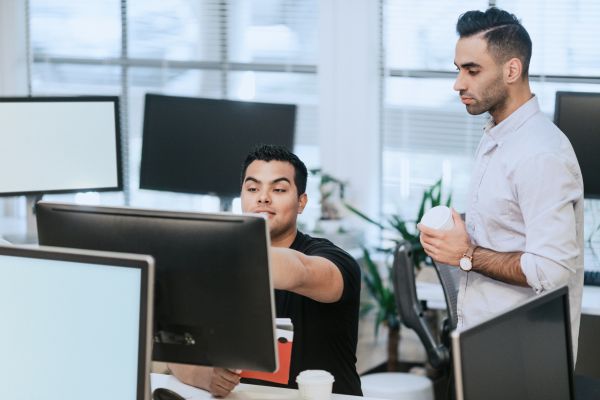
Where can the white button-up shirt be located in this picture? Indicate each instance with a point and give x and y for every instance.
(526, 195)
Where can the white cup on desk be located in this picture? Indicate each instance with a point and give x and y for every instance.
(315, 384)
(438, 217)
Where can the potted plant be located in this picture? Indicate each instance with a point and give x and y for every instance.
(378, 278)
(401, 230)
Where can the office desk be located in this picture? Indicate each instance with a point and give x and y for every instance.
(241, 392)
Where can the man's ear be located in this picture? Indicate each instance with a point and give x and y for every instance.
(302, 200)
(513, 70)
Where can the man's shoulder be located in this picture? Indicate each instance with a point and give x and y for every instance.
(538, 137)
(318, 246)
(306, 243)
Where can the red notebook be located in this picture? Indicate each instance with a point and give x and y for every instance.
(285, 335)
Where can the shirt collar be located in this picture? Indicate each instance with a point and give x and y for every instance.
(499, 132)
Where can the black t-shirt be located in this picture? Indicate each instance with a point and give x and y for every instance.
(325, 334)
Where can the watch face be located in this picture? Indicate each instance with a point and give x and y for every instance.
(465, 264)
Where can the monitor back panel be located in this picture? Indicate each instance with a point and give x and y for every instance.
(522, 354)
(213, 296)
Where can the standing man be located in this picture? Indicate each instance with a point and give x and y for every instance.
(524, 224)
(318, 284)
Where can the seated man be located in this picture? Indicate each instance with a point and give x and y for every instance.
(317, 284)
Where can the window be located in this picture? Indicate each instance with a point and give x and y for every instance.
(236, 49)
(427, 134)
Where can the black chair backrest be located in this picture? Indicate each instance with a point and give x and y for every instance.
(449, 277)
(409, 306)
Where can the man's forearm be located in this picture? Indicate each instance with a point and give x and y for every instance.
(193, 375)
(505, 267)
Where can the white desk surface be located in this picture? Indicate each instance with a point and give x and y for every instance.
(241, 392)
(433, 293)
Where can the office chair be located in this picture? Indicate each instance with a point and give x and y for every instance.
(411, 310)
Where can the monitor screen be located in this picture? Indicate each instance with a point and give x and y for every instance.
(59, 145)
(195, 145)
(76, 324)
(578, 116)
(524, 353)
(213, 291)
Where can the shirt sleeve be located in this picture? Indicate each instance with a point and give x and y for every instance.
(344, 262)
(548, 189)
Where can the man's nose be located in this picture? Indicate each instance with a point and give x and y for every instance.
(459, 83)
(264, 198)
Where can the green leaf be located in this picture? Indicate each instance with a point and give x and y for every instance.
(449, 200)
(400, 226)
(364, 216)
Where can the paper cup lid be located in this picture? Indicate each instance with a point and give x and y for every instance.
(314, 376)
(436, 217)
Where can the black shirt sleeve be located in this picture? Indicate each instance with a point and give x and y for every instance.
(343, 261)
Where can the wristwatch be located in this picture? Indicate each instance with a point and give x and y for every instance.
(466, 262)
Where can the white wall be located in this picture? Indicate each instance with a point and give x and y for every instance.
(349, 90)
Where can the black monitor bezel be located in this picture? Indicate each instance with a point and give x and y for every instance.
(164, 352)
(557, 101)
(457, 334)
(142, 262)
(150, 98)
(57, 99)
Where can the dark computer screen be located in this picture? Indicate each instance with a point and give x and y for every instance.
(213, 293)
(525, 353)
(59, 144)
(195, 145)
(76, 324)
(578, 116)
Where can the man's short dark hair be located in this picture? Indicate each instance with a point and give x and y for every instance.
(269, 152)
(506, 37)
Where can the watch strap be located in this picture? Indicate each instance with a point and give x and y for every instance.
(469, 252)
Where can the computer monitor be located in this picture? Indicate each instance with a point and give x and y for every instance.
(75, 324)
(59, 144)
(213, 295)
(196, 145)
(524, 353)
(577, 114)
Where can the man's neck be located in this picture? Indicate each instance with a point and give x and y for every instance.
(284, 240)
(515, 100)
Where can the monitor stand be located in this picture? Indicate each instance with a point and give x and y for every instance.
(30, 235)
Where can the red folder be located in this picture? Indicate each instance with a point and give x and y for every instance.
(284, 350)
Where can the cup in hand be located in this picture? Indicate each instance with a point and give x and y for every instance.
(438, 217)
(315, 384)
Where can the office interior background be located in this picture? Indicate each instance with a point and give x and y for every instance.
(372, 80)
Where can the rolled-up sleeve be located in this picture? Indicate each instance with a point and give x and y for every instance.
(548, 188)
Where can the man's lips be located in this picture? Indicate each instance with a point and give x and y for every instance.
(466, 100)
(265, 212)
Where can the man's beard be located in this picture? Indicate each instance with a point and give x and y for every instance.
(491, 100)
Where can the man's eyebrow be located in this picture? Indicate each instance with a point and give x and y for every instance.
(282, 179)
(470, 64)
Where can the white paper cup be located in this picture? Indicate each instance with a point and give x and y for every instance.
(438, 217)
(315, 384)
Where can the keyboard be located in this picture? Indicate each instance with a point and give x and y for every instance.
(591, 278)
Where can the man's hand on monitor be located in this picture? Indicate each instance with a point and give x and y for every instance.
(223, 381)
